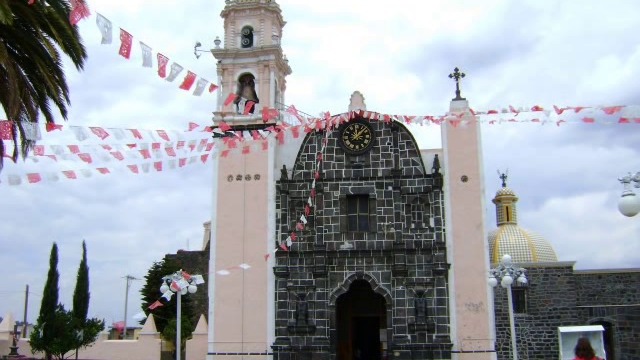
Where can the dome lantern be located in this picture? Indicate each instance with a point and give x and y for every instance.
(509, 238)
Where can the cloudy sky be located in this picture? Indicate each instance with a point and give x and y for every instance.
(398, 54)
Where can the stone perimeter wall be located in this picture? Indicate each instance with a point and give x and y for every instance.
(559, 296)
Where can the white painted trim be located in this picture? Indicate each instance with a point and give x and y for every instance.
(212, 253)
(220, 91)
(272, 85)
(270, 245)
(248, 60)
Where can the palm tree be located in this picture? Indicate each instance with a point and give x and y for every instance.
(32, 36)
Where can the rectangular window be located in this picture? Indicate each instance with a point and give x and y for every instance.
(519, 297)
(357, 213)
(418, 209)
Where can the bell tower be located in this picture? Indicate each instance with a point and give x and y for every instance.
(251, 71)
(250, 63)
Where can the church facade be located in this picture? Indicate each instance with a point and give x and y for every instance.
(354, 243)
(350, 242)
(368, 274)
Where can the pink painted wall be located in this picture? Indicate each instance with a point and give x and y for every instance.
(196, 347)
(241, 301)
(472, 310)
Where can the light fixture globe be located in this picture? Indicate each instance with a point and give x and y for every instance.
(192, 289)
(629, 204)
(164, 288)
(507, 280)
(506, 259)
(493, 282)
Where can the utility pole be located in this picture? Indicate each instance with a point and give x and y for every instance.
(26, 303)
(126, 303)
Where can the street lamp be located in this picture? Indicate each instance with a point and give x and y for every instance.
(629, 203)
(506, 272)
(180, 283)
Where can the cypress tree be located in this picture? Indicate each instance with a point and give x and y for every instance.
(81, 293)
(47, 318)
(57, 330)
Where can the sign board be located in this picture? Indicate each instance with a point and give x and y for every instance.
(568, 337)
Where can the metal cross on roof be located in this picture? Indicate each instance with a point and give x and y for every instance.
(457, 75)
(503, 177)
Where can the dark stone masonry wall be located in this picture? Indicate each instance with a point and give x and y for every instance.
(559, 296)
(195, 262)
(612, 299)
(402, 258)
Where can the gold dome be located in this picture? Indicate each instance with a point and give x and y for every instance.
(523, 245)
(505, 191)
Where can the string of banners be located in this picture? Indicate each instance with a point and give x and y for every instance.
(236, 139)
(136, 151)
(14, 179)
(80, 10)
(245, 142)
(629, 114)
(620, 114)
(124, 144)
(558, 116)
(126, 44)
(33, 131)
(121, 152)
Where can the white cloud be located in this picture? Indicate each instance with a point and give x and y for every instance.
(585, 230)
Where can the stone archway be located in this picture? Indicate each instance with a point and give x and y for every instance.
(608, 336)
(361, 319)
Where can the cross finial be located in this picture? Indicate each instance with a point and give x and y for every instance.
(456, 76)
(503, 177)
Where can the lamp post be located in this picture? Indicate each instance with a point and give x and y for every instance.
(506, 272)
(629, 203)
(179, 283)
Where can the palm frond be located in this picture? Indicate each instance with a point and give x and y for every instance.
(32, 41)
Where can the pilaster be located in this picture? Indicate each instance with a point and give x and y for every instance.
(471, 307)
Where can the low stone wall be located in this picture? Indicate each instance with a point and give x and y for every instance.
(145, 348)
(148, 346)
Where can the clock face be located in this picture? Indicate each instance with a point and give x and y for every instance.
(357, 137)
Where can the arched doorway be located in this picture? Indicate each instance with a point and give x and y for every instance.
(361, 315)
(608, 338)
